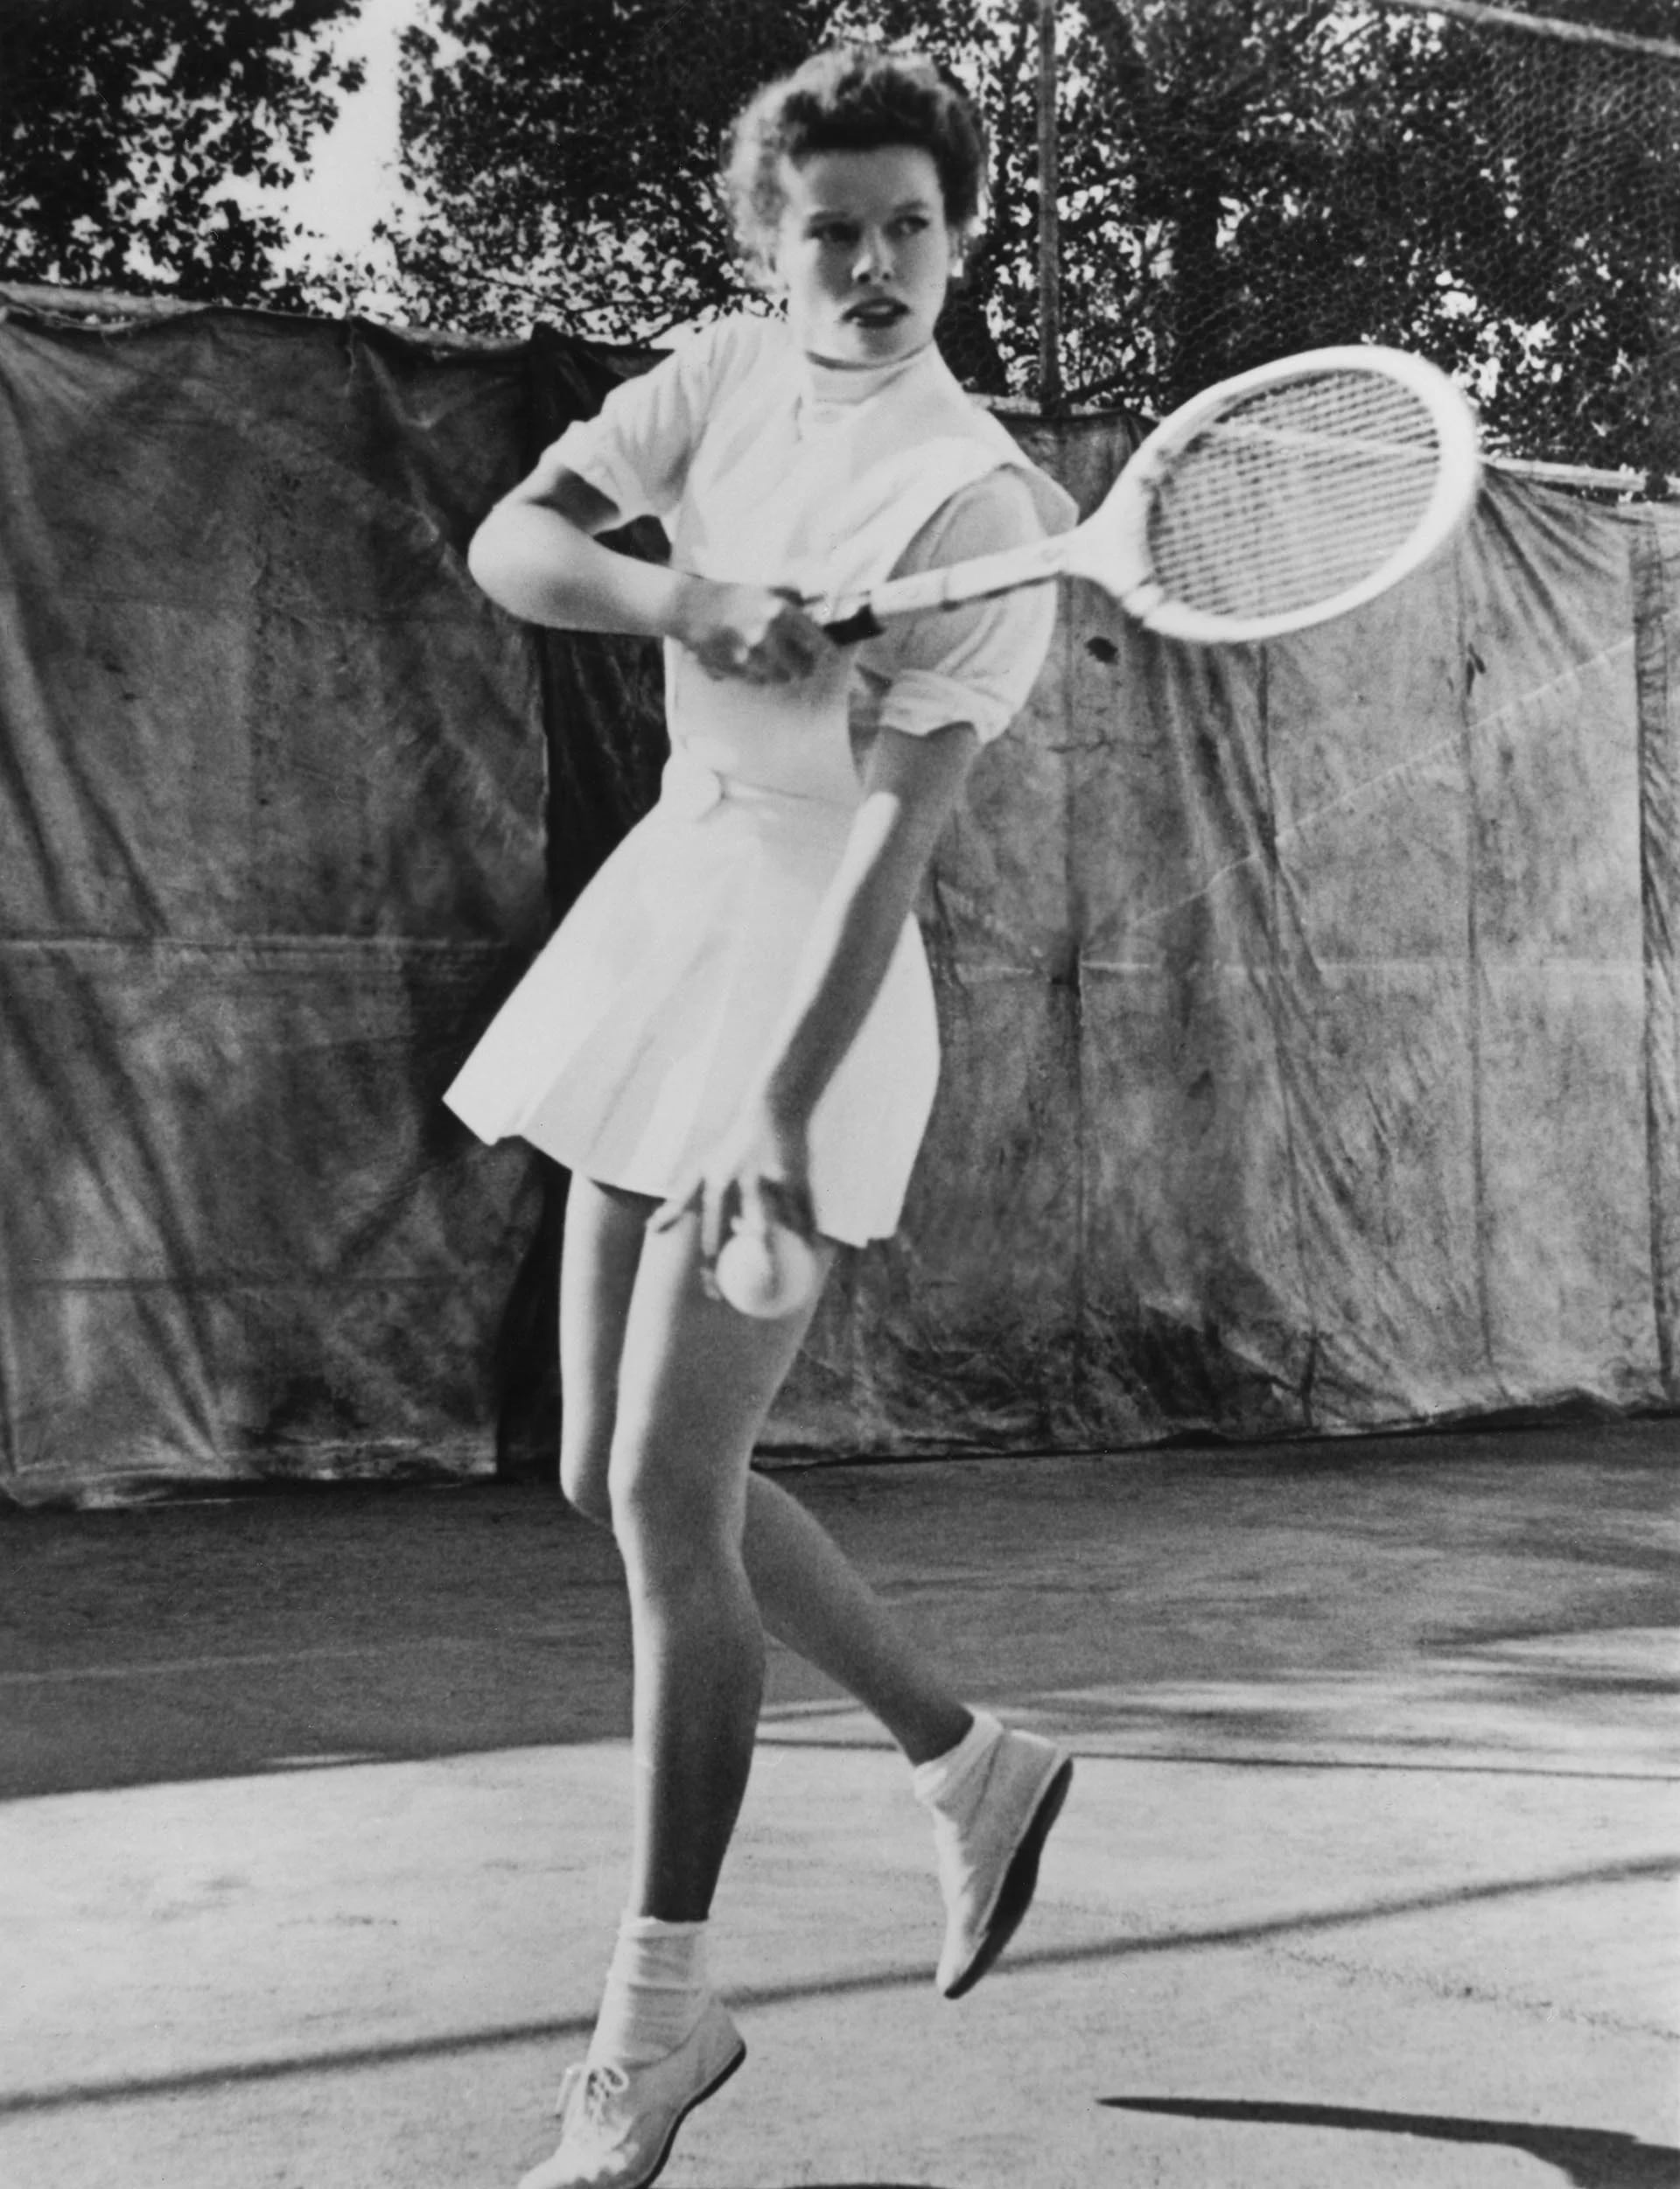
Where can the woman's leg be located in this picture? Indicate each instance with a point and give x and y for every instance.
(696, 1381)
(604, 1233)
(816, 1602)
(809, 1596)
(666, 1392)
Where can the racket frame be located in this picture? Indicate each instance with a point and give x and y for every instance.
(1110, 549)
(1125, 514)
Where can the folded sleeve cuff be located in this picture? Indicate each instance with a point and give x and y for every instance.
(985, 658)
(921, 701)
(589, 452)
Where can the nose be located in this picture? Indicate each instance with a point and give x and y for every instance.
(874, 258)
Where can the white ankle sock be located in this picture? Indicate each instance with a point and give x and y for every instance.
(951, 1781)
(655, 1991)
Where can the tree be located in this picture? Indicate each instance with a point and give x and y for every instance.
(1266, 176)
(126, 126)
(1239, 178)
(568, 155)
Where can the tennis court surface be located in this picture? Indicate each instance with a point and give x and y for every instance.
(316, 1804)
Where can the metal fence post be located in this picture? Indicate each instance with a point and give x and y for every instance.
(1049, 250)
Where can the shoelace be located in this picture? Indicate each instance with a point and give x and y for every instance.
(600, 2085)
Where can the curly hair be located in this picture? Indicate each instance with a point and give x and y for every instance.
(852, 98)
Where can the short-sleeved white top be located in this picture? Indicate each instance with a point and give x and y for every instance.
(767, 467)
(631, 1041)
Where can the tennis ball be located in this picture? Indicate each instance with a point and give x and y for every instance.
(766, 1274)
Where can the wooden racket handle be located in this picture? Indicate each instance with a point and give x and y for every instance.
(951, 585)
(862, 623)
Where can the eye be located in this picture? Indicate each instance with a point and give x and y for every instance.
(911, 223)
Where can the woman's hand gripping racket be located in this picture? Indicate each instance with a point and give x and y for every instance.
(1280, 498)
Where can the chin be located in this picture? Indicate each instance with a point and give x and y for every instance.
(879, 346)
(844, 343)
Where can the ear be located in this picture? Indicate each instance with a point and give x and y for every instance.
(966, 244)
(767, 273)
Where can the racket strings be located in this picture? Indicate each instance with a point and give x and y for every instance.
(1296, 493)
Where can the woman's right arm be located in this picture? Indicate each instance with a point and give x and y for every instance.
(537, 555)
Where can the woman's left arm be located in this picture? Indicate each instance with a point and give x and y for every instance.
(760, 1171)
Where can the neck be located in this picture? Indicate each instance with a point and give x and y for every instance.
(857, 365)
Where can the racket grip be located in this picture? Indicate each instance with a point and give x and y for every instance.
(862, 623)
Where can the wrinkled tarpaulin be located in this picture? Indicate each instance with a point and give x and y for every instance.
(1310, 1012)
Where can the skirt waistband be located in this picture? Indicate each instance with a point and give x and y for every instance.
(688, 789)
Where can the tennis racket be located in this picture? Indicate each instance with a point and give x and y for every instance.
(1274, 500)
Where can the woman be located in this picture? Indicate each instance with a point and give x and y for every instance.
(735, 1024)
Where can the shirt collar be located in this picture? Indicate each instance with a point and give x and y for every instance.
(829, 391)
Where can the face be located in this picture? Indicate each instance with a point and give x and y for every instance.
(863, 254)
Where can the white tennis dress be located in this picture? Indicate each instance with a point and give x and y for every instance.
(627, 1049)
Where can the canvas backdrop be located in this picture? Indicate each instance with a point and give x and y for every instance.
(1309, 1010)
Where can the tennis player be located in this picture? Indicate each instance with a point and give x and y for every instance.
(735, 1023)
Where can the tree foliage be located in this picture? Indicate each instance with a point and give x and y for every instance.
(1239, 178)
(569, 154)
(126, 126)
(1284, 175)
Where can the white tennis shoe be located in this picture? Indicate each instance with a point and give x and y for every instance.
(617, 2124)
(989, 1863)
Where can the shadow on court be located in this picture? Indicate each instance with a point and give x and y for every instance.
(1587, 2158)
(571, 2034)
(1211, 1595)
(318, 1803)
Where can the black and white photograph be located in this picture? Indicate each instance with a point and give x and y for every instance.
(839, 1094)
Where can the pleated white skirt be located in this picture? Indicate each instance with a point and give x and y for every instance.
(626, 1050)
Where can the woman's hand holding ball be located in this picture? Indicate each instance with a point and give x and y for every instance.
(766, 1273)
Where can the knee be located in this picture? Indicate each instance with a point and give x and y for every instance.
(671, 1523)
(584, 1471)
